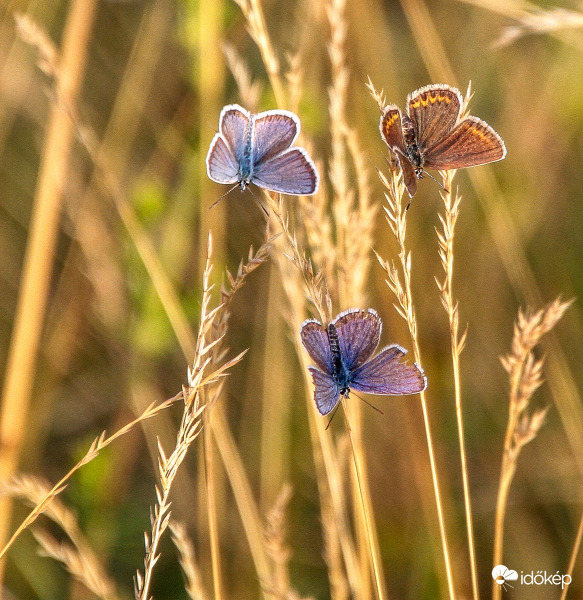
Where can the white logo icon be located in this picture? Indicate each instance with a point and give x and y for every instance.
(502, 575)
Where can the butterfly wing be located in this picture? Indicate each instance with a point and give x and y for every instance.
(222, 161)
(315, 341)
(326, 391)
(434, 110)
(359, 332)
(274, 132)
(234, 124)
(291, 172)
(472, 142)
(386, 374)
(391, 128)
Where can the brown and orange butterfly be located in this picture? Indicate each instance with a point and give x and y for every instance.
(431, 134)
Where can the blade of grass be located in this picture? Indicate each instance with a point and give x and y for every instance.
(40, 251)
(446, 254)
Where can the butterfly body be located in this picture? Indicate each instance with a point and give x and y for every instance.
(342, 352)
(259, 149)
(339, 372)
(413, 153)
(245, 173)
(433, 135)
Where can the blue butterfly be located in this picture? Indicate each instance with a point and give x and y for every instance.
(258, 149)
(342, 353)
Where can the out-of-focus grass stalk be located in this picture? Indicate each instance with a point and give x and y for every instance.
(97, 445)
(253, 14)
(446, 254)
(40, 251)
(76, 554)
(354, 223)
(574, 554)
(431, 49)
(210, 75)
(190, 568)
(525, 374)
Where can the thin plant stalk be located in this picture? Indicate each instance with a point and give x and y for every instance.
(396, 218)
(446, 253)
(40, 251)
(210, 487)
(95, 448)
(351, 289)
(525, 375)
(574, 554)
(365, 513)
(202, 372)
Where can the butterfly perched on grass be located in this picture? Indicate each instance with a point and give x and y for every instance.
(431, 134)
(342, 352)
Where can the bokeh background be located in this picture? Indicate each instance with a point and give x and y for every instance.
(155, 80)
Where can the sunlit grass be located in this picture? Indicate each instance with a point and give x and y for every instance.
(242, 490)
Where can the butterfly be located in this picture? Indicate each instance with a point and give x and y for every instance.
(258, 149)
(431, 134)
(342, 353)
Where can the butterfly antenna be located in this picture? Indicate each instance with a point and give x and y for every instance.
(256, 198)
(221, 197)
(333, 413)
(436, 181)
(367, 402)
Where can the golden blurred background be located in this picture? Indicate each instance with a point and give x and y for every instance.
(125, 152)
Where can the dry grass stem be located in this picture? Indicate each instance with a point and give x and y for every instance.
(180, 538)
(253, 14)
(142, 243)
(525, 375)
(79, 558)
(354, 219)
(77, 564)
(445, 240)
(98, 444)
(276, 546)
(315, 284)
(399, 282)
(378, 96)
(203, 372)
(37, 270)
(34, 35)
(249, 90)
(573, 559)
(540, 22)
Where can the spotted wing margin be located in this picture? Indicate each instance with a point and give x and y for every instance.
(434, 110)
(326, 392)
(275, 131)
(386, 374)
(291, 172)
(391, 128)
(315, 341)
(472, 142)
(359, 332)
